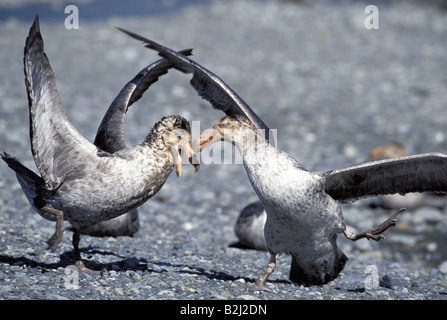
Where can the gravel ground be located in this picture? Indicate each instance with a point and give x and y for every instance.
(332, 88)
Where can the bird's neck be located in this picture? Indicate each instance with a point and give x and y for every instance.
(155, 140)
(150, 156)
(255, 150)
(265, 164)
(250, 142)
(153, 148)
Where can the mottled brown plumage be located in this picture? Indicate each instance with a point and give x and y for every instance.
(110, 138)
(79, 181)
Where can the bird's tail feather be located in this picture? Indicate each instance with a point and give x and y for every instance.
(27, 178)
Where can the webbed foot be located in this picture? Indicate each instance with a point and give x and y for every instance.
(83, 269)
(377, 232)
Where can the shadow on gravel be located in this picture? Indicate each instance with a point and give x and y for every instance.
(22, 261)
(125, 264)
(219, 275)
(67, 259)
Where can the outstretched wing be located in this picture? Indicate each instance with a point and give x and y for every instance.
(207, 84)
(425, 172)
(55, 144)
(110, 134)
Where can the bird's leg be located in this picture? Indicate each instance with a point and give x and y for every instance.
(377, 232)
(270, 269)
(56, 238)
(260, 286)
(79, 264)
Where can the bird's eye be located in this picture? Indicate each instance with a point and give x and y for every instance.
(224, 125)
(179, 137)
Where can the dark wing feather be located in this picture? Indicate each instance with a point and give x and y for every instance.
(207, 84)
(110, 134)
(417, 173)
(55, 143)
(151, 74)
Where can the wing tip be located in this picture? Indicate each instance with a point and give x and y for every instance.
(33, 36)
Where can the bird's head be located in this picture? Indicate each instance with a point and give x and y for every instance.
(230, 128)
(176, 136)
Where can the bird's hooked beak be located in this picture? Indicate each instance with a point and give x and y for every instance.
(206, 138)
(176, 152)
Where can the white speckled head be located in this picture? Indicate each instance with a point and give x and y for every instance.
(174, 133)
(234, 129)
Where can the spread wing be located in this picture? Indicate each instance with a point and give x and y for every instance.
(209, 86)
(55, 144)
(425, 172)
(110, 134)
